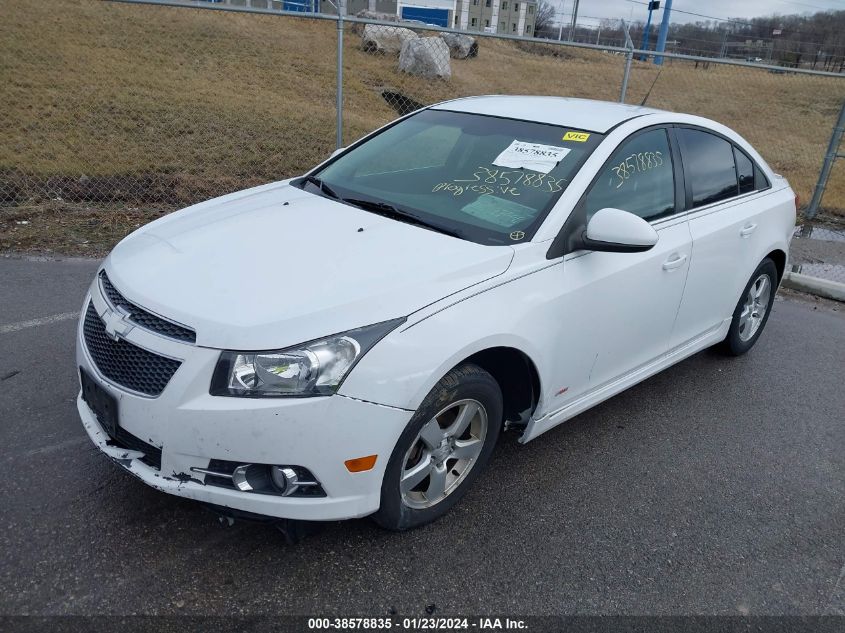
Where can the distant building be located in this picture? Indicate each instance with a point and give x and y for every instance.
(508, 17)
(496, 16)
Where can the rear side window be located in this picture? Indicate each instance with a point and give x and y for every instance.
(745, 171)
(708, 166)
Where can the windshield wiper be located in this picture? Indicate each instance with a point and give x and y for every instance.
(323, 186)
(388, 210)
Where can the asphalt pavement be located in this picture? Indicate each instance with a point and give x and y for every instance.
(715, 487)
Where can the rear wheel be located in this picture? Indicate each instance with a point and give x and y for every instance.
(753, 309)
(442, 450)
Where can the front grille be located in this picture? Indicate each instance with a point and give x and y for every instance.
(124, 363)
(144, 319)
(124, 439)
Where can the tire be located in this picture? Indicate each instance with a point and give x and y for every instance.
(744, 332)
(428, 457)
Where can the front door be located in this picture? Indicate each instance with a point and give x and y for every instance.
(617, 310)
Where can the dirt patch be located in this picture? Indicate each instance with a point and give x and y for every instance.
(70, 229)
(546, 50)
(120, 189)
(399, 102)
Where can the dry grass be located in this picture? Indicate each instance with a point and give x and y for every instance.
(144, 108)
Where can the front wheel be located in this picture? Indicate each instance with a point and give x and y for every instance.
(442, 450)
(752, 310)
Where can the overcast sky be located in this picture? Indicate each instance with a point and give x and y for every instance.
(590, 10)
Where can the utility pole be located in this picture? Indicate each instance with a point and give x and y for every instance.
(574, 21)
(560, 20)
(664, 32)
(652, 7)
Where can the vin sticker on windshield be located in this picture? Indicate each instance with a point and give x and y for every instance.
(533, 156)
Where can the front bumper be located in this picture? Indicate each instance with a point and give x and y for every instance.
(192, 428)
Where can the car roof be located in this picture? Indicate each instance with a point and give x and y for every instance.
(582, 114)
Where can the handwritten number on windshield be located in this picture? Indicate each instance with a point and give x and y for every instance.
(511, 179)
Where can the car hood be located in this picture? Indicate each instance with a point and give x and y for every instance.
(275, 266)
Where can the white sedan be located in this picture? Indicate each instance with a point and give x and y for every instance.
(352, 342)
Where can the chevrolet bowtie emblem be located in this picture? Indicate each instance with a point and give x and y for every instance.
(116, 324)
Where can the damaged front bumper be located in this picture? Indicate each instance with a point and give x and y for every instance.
(195, 431)
(348, 494)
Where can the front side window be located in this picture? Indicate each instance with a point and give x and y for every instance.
(637, 178)
(708, 166)
(487, 179)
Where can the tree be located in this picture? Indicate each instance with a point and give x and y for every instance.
(544, 21)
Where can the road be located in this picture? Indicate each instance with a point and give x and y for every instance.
(716, 487)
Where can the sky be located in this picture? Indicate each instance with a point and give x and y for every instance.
(589, 11)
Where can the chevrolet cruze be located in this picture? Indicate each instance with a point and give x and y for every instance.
(352, 342)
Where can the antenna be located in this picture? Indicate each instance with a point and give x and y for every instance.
(656, 77)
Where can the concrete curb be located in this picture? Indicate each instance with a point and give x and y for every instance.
(814, 285)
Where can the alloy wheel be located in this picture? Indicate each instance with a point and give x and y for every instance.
(755, 307)
(443, 453)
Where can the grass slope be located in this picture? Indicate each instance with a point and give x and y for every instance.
(112, 114)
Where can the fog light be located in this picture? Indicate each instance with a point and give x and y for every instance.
(285, 479)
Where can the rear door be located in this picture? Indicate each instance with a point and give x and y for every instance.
(722, 192)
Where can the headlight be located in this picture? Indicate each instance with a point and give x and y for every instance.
(311, 369)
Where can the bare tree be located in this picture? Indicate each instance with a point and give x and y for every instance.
(544, 22)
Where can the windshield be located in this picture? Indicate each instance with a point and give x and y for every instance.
(486, 179)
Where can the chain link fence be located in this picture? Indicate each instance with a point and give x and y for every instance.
(116, 112)
(412, 67)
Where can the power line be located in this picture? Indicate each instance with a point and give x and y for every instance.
(699, 15)
(804, 4)
(795, 31)
(713, 17)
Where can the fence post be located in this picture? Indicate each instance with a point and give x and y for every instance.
(831, 155)
(341, 9)
(629, 55)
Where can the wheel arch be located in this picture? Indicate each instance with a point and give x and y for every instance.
(518, 379)
(779, 258)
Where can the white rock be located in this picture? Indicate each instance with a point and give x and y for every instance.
(357, 27)
(385, 39)
(460, 46)
(426, 57)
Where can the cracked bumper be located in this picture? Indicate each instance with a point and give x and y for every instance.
(192, 428)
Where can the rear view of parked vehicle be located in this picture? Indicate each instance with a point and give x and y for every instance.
(354, 341)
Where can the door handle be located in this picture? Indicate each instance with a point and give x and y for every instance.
(675, 261)
(747, 230)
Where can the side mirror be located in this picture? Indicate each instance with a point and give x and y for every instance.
(337, 151)
(617, 231)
